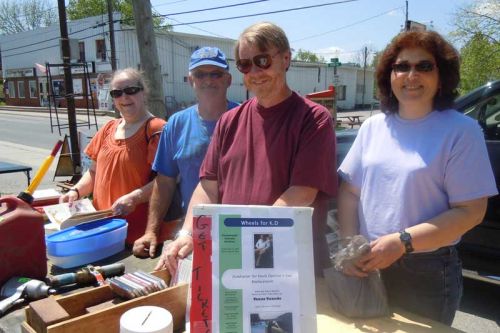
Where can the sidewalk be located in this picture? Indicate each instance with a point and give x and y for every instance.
(13, 183)
(25, 154)
(38, 109)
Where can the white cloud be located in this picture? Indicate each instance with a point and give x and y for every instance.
(395, 12)
(331, 52)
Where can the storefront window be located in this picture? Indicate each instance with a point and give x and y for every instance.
(12, 89)
(33, 89)
(20, 86)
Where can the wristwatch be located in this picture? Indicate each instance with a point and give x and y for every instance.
(183, 232)
(405, 238)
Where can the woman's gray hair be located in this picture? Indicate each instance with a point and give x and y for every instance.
(133, 74)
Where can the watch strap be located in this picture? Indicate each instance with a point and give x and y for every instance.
(405, 238)
(183, 232)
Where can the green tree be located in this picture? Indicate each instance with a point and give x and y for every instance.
(308, 56)
(477, 29)
(78, 9)
(25, 15)
(480, 62)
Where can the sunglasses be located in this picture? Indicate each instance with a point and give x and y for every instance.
(115, 93)
(213, 75)
(423, 66)
(263, 61)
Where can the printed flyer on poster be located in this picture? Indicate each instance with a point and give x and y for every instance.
(260, 262)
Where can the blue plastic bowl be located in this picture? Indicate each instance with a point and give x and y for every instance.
(86, 242)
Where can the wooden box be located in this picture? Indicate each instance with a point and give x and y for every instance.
(99, 309)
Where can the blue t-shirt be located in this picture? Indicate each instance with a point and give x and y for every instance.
(409, 171)
(183, 144)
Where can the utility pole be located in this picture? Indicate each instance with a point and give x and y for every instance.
(68, 83)
(364, 77)
(149, 56)
(407, 22)
(111, 35)
(111, 27)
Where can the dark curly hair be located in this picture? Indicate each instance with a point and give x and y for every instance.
(447, 61)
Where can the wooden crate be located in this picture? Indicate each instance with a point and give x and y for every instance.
(71, 313)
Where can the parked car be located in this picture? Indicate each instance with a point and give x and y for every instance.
(480, 247)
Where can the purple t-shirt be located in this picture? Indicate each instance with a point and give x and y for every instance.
(409, 171)
(257, 153)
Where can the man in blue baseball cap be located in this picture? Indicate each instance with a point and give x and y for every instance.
(184, 141)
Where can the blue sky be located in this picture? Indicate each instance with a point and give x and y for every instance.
(339, 30)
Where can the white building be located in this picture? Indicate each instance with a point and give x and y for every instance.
(27, 84)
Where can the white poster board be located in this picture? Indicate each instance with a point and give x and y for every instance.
(260, 262)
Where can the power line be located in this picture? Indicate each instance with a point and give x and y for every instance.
(200, 29)
(345, 26)
(180, 13)
(265, 13)
(204, 10)
(213, 8)
(54, 38)
(169, 3)
(213, 20)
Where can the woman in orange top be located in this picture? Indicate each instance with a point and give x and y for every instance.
(122, 153)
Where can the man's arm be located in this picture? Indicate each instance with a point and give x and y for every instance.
(161, 197)
(205, 193)
(301, 196)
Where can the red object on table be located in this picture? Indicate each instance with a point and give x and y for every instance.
(201, 290)
(22, 240)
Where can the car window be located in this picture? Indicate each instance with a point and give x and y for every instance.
(487, 113)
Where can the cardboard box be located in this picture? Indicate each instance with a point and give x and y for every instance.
(98, 310)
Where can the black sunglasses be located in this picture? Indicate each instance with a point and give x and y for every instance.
(115, 93)
(423, 66)
(200, 75)
(263, 61)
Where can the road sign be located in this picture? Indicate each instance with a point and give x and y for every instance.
(334, 62)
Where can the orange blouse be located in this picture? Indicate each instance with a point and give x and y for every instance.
(123, 166)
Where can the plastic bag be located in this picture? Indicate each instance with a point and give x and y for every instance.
(353, 296)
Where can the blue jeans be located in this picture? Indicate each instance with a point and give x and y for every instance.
(428, 284)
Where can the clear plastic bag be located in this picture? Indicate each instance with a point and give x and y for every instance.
(352, 296)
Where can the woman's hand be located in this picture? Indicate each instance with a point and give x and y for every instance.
(353, 269)
(126, 204)
(69, 197)
(384, 252)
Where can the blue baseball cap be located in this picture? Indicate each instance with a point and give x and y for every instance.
(208, 56)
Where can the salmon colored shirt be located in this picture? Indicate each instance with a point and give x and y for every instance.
(123, 166)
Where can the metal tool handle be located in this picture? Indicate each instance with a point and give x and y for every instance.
(61, 280)
(7, 303)
(112, 270)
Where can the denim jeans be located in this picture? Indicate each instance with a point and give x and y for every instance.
(428, 284)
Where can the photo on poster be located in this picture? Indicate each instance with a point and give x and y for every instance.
(263, 250)
(271, 322)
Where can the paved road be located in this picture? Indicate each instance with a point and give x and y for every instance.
(26, 138)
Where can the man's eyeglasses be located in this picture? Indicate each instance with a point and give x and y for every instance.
(200, 75)
(115, 93)
(423, 66)
(263, 61)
